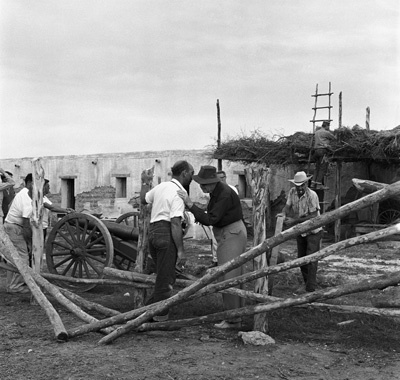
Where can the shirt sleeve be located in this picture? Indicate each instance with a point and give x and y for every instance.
(314, 202)
(150, 196)
(177, 207)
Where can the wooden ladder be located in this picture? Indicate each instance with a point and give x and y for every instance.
(321, 193)
(328, 107)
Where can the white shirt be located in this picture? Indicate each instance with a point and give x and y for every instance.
(165, 201)
(46, 212)
(234, 188)
(21, 207)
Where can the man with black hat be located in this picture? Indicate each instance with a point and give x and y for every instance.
(165, 232)
(303, 204)
(224, 213)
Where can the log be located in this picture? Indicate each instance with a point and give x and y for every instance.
(330, 293)
(143, 243)
(11, 254)
(258, 178)
(64, 301)
(146, 313)
(88, 305)
(368, 187)
(124, 317)
(37, 215)
(275, 252)
(334, 248)
(97, 281)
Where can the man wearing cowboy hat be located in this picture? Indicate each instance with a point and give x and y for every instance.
(224, 213)
(303, 204)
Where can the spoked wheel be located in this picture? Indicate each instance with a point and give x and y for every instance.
(79, 246)
(129, 219)
(389, 216)
(123, 261)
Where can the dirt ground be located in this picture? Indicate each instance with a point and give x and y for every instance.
(310, 344)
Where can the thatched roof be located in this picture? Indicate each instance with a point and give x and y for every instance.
(353, 144)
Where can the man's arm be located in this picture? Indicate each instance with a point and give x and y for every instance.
(9, 182)
(58, 209)
(27, 230)
(177, 236)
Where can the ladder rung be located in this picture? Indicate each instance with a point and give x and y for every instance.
(318, 108)
(313, 121)
(316, 95)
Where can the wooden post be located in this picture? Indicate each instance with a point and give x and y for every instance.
(219, 133)
(338, 195)
(340, 109)
(275, 252)
(256, 177)
(143, 243)
(367, 119)
(37, 215)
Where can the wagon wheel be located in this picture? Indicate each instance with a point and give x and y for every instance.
(129, 218)
(122, 261)
(79, 246)
(388, 216)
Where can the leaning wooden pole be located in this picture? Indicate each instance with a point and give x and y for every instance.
(148, 312)
(360, 286)
(11, 254)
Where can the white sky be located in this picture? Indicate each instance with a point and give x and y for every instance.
(100, 76)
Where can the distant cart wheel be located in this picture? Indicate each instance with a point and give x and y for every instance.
(79, 246)
(389, 216)
(129, 218)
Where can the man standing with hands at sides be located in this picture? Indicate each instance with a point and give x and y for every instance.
(165, 232)
(304, 205)
(224, 213)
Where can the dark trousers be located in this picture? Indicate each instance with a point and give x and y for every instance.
(306, 246)
(321, 164)
(164, 254)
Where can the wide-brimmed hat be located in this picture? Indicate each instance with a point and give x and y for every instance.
(207, 174)
(300, 178)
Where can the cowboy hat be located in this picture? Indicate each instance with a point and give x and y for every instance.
(207, 174)
(300, 178)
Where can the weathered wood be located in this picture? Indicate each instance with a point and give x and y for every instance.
(338, 196)
(88, 305)
(143, 314)
(37, 215)
(11, 254)
(97, 281)
(334, 248)
(330, 293)
(368, 187)
(143, 243)
(64, 301)
(275, 252)
(257, 179)
(245, 278)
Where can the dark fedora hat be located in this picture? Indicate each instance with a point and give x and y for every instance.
(207, 174)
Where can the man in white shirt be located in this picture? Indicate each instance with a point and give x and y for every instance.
(165, 232)
(18, 227)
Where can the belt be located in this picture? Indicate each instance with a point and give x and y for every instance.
(16, 224)
(160, 222)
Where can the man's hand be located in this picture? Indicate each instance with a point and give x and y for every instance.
(69, 210)
(181, 261)
(289, 222)
(185, 197)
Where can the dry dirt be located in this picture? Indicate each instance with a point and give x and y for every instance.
(310, 344)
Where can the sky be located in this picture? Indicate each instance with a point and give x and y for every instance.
(109, 76)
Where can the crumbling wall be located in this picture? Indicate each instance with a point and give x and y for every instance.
(100, 200)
